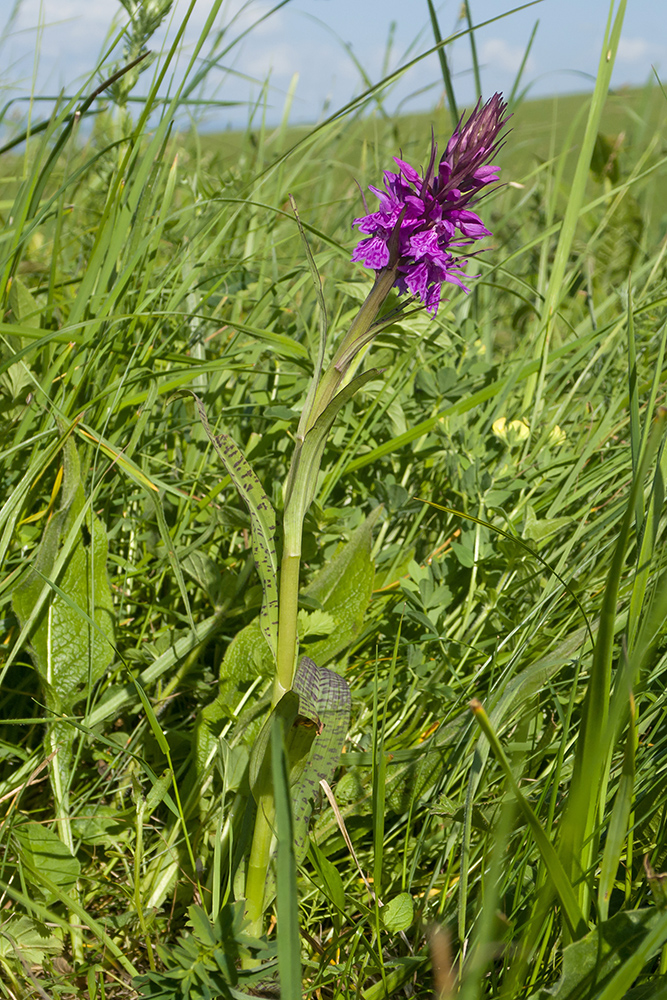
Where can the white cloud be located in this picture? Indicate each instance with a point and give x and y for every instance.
(637, 50)
(499, 54)
(295, 39)
(70, 36)
(53, 11)
(280, 59)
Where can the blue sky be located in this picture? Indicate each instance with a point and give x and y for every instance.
(320, 39)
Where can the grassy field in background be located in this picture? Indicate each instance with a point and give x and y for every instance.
(540, 129)
(500, 827)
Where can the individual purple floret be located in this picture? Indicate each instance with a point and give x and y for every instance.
(429, 218)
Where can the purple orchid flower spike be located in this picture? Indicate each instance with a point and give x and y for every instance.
(430, 218)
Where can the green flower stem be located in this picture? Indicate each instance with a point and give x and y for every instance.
(355, 338)
(258, 864)
(302, 491)
(287, 614)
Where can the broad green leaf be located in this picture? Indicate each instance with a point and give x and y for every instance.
(106, 825)
(205, 573)
(72, 629)
(593, 960)
(247, 656)
(42, 852)
(158, 791)
(15, 383)
(330, 881)
(343, 589)
(17, 379)
(24, 939)
(397, 914)
(23, 304)
(655, 989)
(316, 717)
(316, 622)
(536, 529)
(65, 607)
(96, 926)
(201, 925)
(160, 877)
(27, 939)
(262, 519)
(205, 741)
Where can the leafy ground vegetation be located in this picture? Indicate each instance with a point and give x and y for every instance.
(483, 560)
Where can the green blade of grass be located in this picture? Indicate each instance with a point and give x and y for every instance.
(444, 65)
(618, 824)
(560, 883)
(577, 190)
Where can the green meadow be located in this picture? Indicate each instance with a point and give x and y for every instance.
(482, 563)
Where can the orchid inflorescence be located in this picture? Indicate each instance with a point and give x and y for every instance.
(424, 221)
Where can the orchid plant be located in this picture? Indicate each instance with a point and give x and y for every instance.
(419, 239)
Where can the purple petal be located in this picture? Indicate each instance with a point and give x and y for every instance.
(408, 172)
(373, 252)
(470, 224)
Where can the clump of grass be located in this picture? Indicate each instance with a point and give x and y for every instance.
(498, 850)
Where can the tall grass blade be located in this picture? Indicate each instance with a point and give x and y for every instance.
(473, 50)
(513, 99)
(577, 190)
(618, 824)
(444, 65)
(560, 883)
(588, 781)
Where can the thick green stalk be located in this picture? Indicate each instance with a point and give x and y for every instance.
(287, 614)
(300, 491)
(258, 864)
(355, 338)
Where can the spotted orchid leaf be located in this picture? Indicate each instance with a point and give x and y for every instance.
(315, 715)
(262, 520)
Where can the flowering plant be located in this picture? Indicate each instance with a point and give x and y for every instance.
(416, 241)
